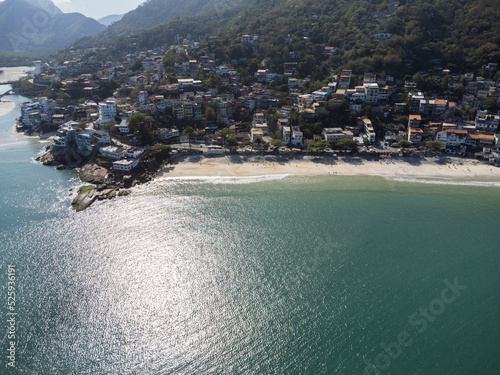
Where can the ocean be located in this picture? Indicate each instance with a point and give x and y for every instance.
(264, 275)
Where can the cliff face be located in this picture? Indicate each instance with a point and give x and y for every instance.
(68, 156)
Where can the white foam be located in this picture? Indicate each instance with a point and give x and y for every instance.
(446, 182)
(217, 180)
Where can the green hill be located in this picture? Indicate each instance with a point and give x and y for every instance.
(455, 34)
(156, 12)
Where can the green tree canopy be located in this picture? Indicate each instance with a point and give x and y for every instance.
(435, 146)
(404, 144)
(347, 144)
(143, 126)
(231, 142)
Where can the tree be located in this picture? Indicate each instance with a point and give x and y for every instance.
(322, 145)
(224, 133)
(190, 133)
(137, 65)
(404, 144)
(160, 152)
(63, 96)
(347, 144)
(490, 104)
(277, 143)
(82, 124)
(435, 146)
(231, 142)
(143, 126)
(210, 114)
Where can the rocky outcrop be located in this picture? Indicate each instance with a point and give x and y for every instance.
(68, 156)
(84, 199)
(106, 182)
(93, 174)
(49, 159)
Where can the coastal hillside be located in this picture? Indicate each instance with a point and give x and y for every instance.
(38, 25)
(156, 12)
(395, 38)
(376, 35)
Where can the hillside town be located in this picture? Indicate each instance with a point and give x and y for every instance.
(196, 99)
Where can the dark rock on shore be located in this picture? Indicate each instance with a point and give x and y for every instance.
(49, 159)
(68, 156)
(93, 174)
(84, 200)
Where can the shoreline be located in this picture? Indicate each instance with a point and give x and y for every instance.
(6, 107)
(14, 73)
(445, 169)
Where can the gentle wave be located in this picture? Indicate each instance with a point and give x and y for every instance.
(446, 182)
(235, 180)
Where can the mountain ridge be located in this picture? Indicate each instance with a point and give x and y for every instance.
(32, 25)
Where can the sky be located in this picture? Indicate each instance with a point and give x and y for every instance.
(97, 8)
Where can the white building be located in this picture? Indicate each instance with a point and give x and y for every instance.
(58, 142)
(368, 128)
(107, 110)
(371, 92)
(188, 82)
(84, 139)
(112, 152)
(320, 95)
(166, 134)
(134, 152)
(123, 127)
(333, 135)
(125, 165)
(292, 135)
(487, 123)
(214, 150)
(101, 137)
(452, 138)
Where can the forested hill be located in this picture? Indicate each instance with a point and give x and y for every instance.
(155, 12)
(457, 34)
(462, 33)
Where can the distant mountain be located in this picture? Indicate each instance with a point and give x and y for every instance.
(39, 25)
(108, 20)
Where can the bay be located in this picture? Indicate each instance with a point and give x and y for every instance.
(248, 276)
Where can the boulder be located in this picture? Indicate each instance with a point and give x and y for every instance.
(84, 200)
(128, 181)
(93, 173)
(49, 159)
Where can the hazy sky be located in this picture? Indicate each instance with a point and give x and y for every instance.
(97, 8)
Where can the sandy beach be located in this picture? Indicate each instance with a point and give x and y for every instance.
(14, 73)
(245, 166)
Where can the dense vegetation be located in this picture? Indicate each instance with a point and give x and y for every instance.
(454, 34)
(156, 12)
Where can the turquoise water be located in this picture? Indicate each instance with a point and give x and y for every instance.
(249, 276)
